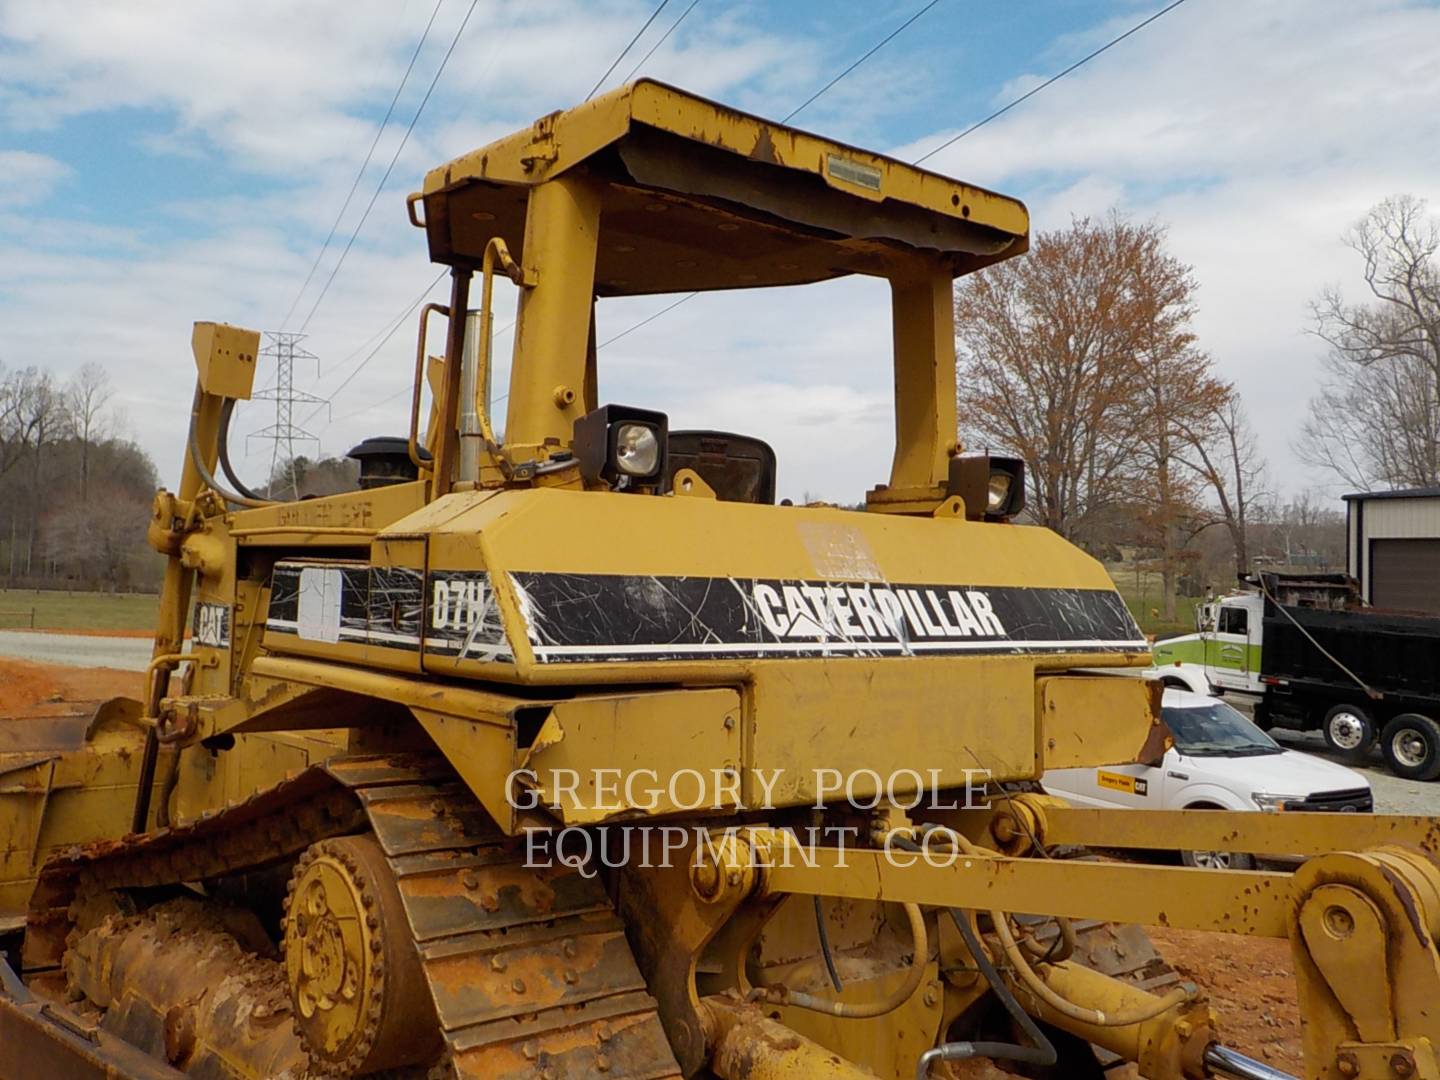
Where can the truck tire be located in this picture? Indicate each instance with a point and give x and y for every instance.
(1411, 745)
(1348, 731)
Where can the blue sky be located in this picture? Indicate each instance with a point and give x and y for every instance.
(166, 162)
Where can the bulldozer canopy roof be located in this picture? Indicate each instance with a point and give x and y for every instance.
(697, 196)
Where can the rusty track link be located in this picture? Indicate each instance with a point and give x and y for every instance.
(528, 967)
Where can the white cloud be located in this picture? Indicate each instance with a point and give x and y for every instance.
(1258, 132)
(27, 177)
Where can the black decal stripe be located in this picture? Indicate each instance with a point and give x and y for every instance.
(590, 618)
(390, 607)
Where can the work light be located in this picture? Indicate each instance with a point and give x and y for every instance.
(637, 450)
(621, 446)
(999, 492)
(992, 488)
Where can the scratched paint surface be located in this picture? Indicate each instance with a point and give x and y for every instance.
(588, 617)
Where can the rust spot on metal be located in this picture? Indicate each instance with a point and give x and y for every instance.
(1402, 893)
(764, 148)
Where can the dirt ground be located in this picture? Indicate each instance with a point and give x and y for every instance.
(1249, 983)
(1251, 986)
(24, 685)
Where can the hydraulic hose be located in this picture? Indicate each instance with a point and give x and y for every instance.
(167, 787)
(864, 1010)
(225, 466)
(198, 460)
(824, 936)
(1041, 1053)
(1062, 948)
(1041, 989)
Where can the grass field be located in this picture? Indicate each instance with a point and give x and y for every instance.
(76, 611)
(1143, 600)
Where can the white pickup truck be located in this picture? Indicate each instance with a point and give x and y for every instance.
(1220, 761)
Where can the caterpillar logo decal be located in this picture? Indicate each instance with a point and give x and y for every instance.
(1130, 785)
(614, 617)
(575, 618)
(212, 625)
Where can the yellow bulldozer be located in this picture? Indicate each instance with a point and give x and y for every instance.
(558, 749)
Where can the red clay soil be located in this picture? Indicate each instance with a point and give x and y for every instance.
(1251, 986)
(24, 685)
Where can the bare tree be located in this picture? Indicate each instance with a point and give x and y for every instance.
(308, 477)
(1223, 452)
(40, 418)
(86, 395)
(12, 442)
(1376, 419)
(1304, 532)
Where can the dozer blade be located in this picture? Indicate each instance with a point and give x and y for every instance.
(37, 1039)
(60, 727)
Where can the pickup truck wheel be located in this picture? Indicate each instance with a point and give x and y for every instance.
(1215, 860)
(1348, 731)
(1218, 860)
(1411, 745)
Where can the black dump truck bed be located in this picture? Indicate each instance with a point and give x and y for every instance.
(1394, 653)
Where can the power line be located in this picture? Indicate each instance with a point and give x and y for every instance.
(383, 401)
(1050, 81)
(616, 62)
(399, 322)
(390, 168)
(663, 38)
(949, 142)
(879, 45)
(364, 164)
(645, 321)
(810, 101)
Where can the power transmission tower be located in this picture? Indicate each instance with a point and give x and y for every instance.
(283, 433)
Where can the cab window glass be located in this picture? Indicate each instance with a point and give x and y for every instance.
(1233, 620)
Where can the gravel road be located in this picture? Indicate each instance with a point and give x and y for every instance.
(77, 650)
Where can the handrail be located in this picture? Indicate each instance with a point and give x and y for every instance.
(413, 446)
(476, 430)
(495, 249)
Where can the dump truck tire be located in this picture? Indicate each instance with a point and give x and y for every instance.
(1411, 745)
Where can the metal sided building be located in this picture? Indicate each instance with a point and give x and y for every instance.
(1392, 544)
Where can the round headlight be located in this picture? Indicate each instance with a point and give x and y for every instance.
(637, 451)
(999, 493)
